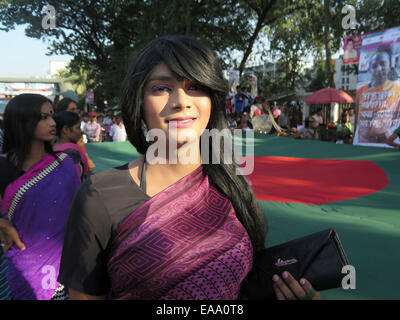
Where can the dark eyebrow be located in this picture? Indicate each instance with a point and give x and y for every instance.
(162, 78)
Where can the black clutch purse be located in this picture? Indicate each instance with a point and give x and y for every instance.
(318, 257)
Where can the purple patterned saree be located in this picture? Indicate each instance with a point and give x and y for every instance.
(184, 243)
(37, 204)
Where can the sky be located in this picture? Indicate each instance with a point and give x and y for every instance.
(22, 56)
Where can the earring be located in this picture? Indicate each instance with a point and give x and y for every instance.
(145, 131)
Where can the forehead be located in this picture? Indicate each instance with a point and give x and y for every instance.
(46, 108)
(383, 56)
(161, 71)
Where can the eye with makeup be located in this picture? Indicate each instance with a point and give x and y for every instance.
(45, 116)
(160, 89)
(195, 87)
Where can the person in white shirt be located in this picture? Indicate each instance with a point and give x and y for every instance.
(85, 119)
(318, 117)
(92, 129)
(108, 120)
(118, 132)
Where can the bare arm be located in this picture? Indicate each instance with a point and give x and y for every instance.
(390, 141)
(76, 295)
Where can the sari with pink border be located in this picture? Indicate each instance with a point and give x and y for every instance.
(37, 204)
(184, 243)
(81, 169)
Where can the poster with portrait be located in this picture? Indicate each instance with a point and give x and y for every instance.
(378, 88)
(234, 77)
(352, 48)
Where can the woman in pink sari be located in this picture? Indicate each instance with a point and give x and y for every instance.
(167, 229)
(68, 133)
(36, 187)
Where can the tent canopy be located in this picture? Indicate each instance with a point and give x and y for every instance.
(329, 95)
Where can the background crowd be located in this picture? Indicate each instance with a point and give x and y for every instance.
(242, 108)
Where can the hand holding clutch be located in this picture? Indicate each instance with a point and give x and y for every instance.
(319, 258)
(290, 289)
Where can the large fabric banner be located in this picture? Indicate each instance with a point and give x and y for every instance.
(352, 48)
(378, 88)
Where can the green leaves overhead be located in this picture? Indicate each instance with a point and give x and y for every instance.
(101, 35)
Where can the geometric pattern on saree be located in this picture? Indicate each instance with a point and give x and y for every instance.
(220, 279)
(159, 247)
(151, 256)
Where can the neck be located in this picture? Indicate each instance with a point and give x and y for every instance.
(36, 154)
(375, 83)
(171, 168)
(61, 140)
(37, 150)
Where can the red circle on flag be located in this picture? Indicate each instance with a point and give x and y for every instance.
(314, 181)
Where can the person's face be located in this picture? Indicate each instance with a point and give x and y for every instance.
(380, 68)
(118, 120)
(74, 133)
(72, 107)
(46, 128)
(175, 103)
(85, 119)
(92, 119)
(350, 45)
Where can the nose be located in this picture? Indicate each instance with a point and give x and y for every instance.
(52, 122)
(180, 99)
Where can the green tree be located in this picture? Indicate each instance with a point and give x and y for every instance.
(101, 35)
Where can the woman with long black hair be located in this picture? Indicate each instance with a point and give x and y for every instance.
(167, 229)
(67, 104)
(68, 131)
(36, 188)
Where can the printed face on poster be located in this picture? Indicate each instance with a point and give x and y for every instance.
(378, 88)
(352, 47)
(234, 77)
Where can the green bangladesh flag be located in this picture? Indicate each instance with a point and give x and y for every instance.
(307, 186)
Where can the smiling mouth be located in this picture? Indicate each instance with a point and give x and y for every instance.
(180, 122)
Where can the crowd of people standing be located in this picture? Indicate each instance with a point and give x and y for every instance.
(68, 233)
(98, 128)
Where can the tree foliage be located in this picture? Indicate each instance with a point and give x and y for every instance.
(101, 35)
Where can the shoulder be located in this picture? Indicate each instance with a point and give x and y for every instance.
(103, 180)
(362, 89)
(111, 193)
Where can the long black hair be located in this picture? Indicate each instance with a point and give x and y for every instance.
(67, 119)
(21, 116)
(63, 104)
(196, 61)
